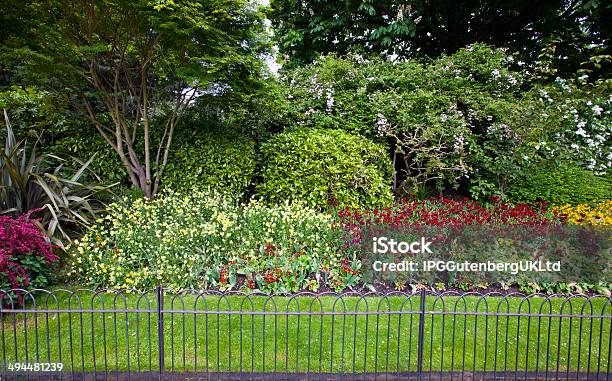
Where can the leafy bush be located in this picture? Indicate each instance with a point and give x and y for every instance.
(559, 184)
(322, 166)
(577, 123)
(212, 160)
(26, 255)
(471, 120)
(566, 121)
(203, 241)
(35, 113)
(105, 163)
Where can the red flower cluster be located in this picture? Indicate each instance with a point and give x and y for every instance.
(20, 239)
(223, 275)
(346, 267)
(251, 283)
(444, 211)
(270, 249)
(273, 277)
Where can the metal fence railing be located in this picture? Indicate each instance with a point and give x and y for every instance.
(161, 334)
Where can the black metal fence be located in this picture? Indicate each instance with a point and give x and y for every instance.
(160, 334)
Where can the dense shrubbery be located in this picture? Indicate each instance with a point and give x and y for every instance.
(26, 255)
(206, 157)
(35, 115)
(323, 167)
(432, 115)
(214, 160)
(391, 103)
(104, 162)
(567, 122)
(474, 120)
(559, 184)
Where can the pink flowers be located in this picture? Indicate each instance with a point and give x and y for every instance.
(22, 244)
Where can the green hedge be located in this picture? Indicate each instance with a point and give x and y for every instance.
(560, 184)
(106, 163)
(213, 160)
(319, 166)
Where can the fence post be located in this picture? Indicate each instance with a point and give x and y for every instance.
(160, 330)
(421, 334)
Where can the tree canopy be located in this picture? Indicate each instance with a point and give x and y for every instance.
(130, 66)
(305, 28)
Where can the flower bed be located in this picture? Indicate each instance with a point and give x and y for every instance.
(443, 211)
(202, 241)
(601, 214)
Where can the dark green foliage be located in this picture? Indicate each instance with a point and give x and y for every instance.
(323, 166)
(578, 28)
(105, 164)
(560, 184)
(306, 29)
(127, 65)
(36, 116)
(215, 160)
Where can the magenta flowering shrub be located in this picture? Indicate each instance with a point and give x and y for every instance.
(26, 254)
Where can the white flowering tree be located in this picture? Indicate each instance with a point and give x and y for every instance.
(476, 119)
(429, 115)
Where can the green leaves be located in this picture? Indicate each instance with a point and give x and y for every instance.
(322, 26)
(560, 183)
(127, 65)
(429, 114)
(325, 167)
(416, 29)
(215, 160)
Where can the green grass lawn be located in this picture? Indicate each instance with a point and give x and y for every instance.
(376, 341)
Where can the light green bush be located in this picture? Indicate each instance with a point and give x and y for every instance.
(323, 166)
(211, 160)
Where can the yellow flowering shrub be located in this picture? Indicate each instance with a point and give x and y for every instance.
(202, 241)
(600, 214)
